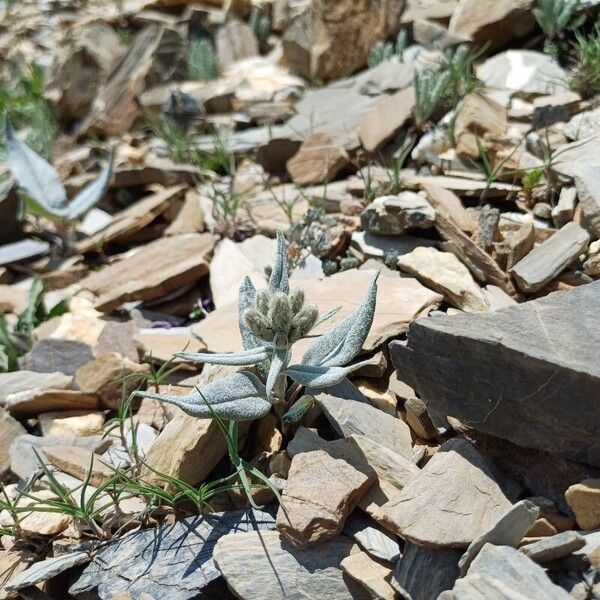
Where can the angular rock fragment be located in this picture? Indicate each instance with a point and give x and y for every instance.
(322, 45)
(281, 572)
(483, 267)
(510, 529)
(515, 246)
(23, 459)
(111, 377)
(373, 576)
(153, 271)
(187, 448)
(386, 119)
(320, 493)
(349, 417)
(584, 500)
(174, 561)
(318, 160)
(46, 569)
(234, 41)
(454, 499)
(530, 351)
(586, 183)
(444, 273)
(126, 223)
(563, 212)
(477, 115)
(78, 462)
(501, 572)
(424, 573)
(56, 355)
(115, 108)
(393, 215)
(80, 423)
(554, 547)
(80, 67)
(449, 204)
(522, 71)
(491, 22)
(12, 564)
(362, 453)
(372, 537)
(549, 259)
(418, 418)
(10, 429)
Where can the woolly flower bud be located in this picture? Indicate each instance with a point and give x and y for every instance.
(258, 324)
(296, 300)
(280, 313)
(303, 322)
(262, 301)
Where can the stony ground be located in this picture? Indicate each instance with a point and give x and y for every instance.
(451, 145)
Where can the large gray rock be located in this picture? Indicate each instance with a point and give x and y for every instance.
(425, 573)
(260, 566)
(453, 500)
(171, 561)
(500, 573)
(526, 373)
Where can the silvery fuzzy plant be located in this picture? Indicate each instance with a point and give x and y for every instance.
(46, 195)
(270, 322)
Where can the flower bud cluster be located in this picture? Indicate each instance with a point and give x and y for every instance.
(280, 318)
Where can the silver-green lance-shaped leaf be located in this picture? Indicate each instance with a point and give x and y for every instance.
(342, 343)
(236, 359)
(279, 282)
(247, 299)
(319, 377)
(237, 397)
(91, 194)
(33, 174)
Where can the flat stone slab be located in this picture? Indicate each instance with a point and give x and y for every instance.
(152, 271)
(501, 572)
(320, 493)
(348, 417)
(527, 373)
(171, 561)
(260, 566)
(452, 501)
(554, 547)
(46, 569)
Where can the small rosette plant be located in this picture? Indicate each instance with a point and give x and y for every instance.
(271, 321)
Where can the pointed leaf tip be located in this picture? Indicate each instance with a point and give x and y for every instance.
(279, 280)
